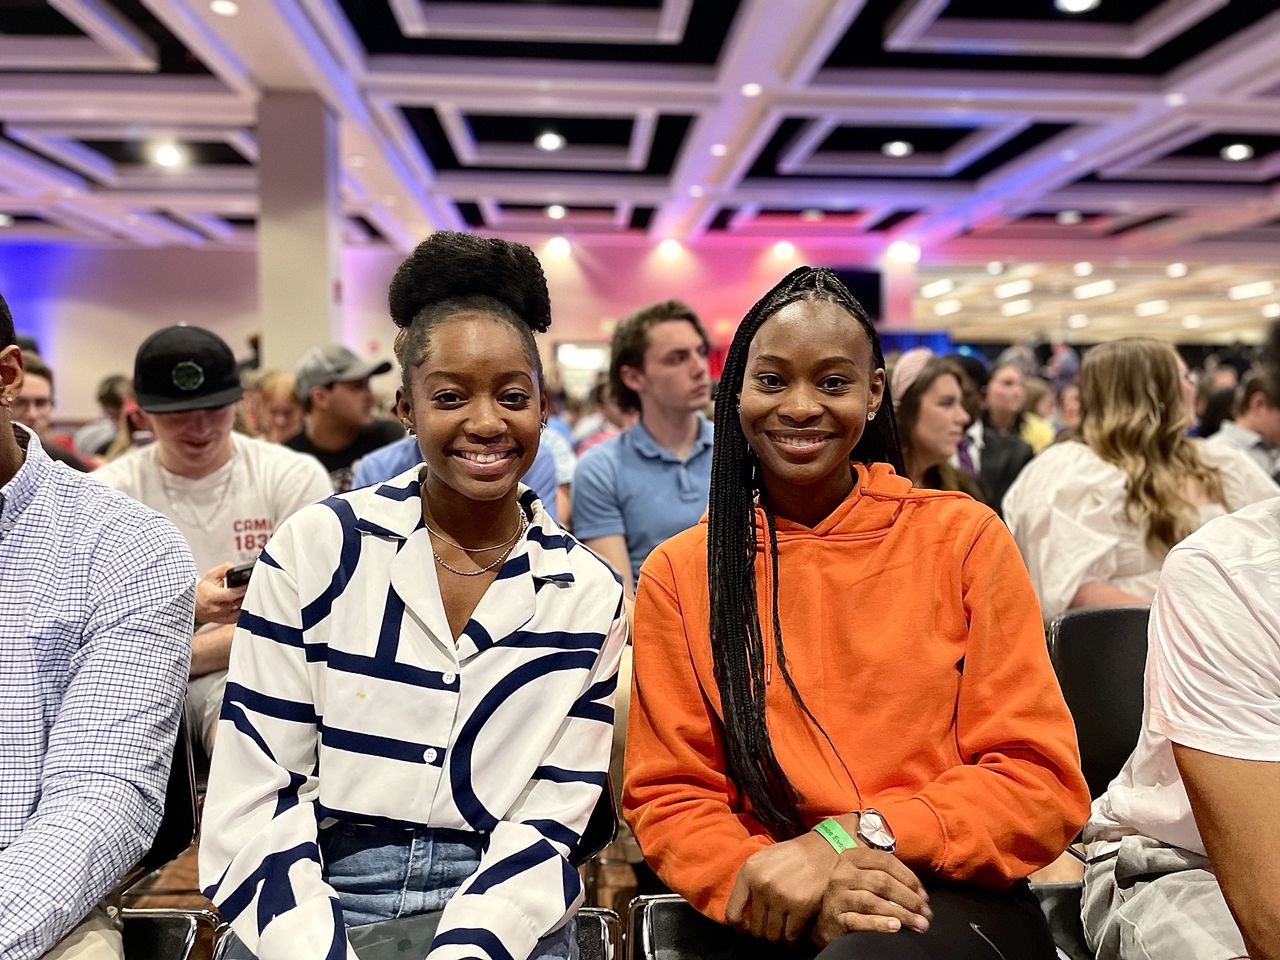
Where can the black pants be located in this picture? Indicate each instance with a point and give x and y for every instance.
(968, 924)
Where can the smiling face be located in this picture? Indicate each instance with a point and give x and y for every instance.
(194, 443)
(808, 388)
(476, 406)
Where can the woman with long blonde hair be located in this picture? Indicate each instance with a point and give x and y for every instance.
(1095, 517)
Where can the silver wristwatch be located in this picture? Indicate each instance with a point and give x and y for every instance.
(875, 832)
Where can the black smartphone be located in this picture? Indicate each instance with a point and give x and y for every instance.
(238, 576)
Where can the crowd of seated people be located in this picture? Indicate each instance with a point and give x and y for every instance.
(801, 624)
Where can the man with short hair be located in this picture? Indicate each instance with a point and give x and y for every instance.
(635, 490)
(1256, 427)
(225, 492)
(1182, 847)
(96, 598)
(33, 408)
(339, 428)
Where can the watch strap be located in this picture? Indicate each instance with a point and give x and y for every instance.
(836, 835)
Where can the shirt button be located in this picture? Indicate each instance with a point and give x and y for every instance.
(450, 677)
(430, 755)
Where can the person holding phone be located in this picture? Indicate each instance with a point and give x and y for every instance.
(419, 711)
(225, 492)
(844, 726)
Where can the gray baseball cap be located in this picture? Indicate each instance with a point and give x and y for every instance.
(325, 366)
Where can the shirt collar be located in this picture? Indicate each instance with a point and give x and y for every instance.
(1243, 435)
(394, 509)
(644, 444)
(19, 492)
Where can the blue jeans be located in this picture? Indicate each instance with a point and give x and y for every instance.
(384, 873)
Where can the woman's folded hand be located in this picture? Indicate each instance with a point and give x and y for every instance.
(870, 890)
(779, 889)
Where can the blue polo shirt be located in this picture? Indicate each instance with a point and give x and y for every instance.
(630, 485)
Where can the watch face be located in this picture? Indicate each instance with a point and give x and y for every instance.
(872, 826)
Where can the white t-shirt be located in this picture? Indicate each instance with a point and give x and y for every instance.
(1066, 512)
(1213, 673)
(228, 516)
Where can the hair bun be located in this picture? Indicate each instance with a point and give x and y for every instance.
(448, 265)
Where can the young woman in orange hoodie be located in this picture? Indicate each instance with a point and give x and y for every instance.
(844, 726)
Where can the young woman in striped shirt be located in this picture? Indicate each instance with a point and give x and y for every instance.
(419, 711)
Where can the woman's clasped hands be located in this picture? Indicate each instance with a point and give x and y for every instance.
(802, 888)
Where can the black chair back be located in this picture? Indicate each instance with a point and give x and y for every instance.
(178, 824)
(599, 934)
(666, 926)
(1100, 657)
(601, 829)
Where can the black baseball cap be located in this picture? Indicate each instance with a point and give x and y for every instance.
(185, 368)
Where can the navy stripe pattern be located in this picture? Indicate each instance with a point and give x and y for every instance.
(343, 662)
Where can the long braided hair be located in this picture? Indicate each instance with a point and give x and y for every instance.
(737, 642)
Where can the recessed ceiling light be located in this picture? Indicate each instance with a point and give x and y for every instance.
(558, 247)
(1151, 308)
(1175, 99)
(903, 251)
(752, 89)
(1099, 288)
(670, 249)
(556, 211)
(811, 216)
(695, 191)
(897, 148)
(1236, 152)
(995, 268)
(1175, 270)
(945, 308)
(1069, 217)
(550, 141)
(1271, 311)
(1076, 6)
(224, 8)
(937, 288)
(1192, 321)
(1014, 288)
(1082, 269)
(719, 149)
(1078, 321)
(1247, 291)
(784, 249)
(6, 220)
(167, 154)
(1016, 308)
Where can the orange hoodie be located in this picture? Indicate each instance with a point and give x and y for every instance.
(912, 631)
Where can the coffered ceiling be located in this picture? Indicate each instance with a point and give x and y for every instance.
(1133, 135)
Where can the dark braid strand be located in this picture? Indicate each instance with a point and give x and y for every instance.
(736, 637)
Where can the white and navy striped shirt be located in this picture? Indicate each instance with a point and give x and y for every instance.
(343, 662)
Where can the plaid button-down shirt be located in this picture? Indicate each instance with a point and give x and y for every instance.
(96, 606)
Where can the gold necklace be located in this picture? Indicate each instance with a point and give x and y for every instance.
(524, 525)
(496, 546)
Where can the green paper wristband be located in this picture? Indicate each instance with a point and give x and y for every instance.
(836, 835)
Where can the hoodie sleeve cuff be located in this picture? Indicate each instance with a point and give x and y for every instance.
(920, 835)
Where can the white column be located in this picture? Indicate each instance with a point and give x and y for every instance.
(299, 226)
